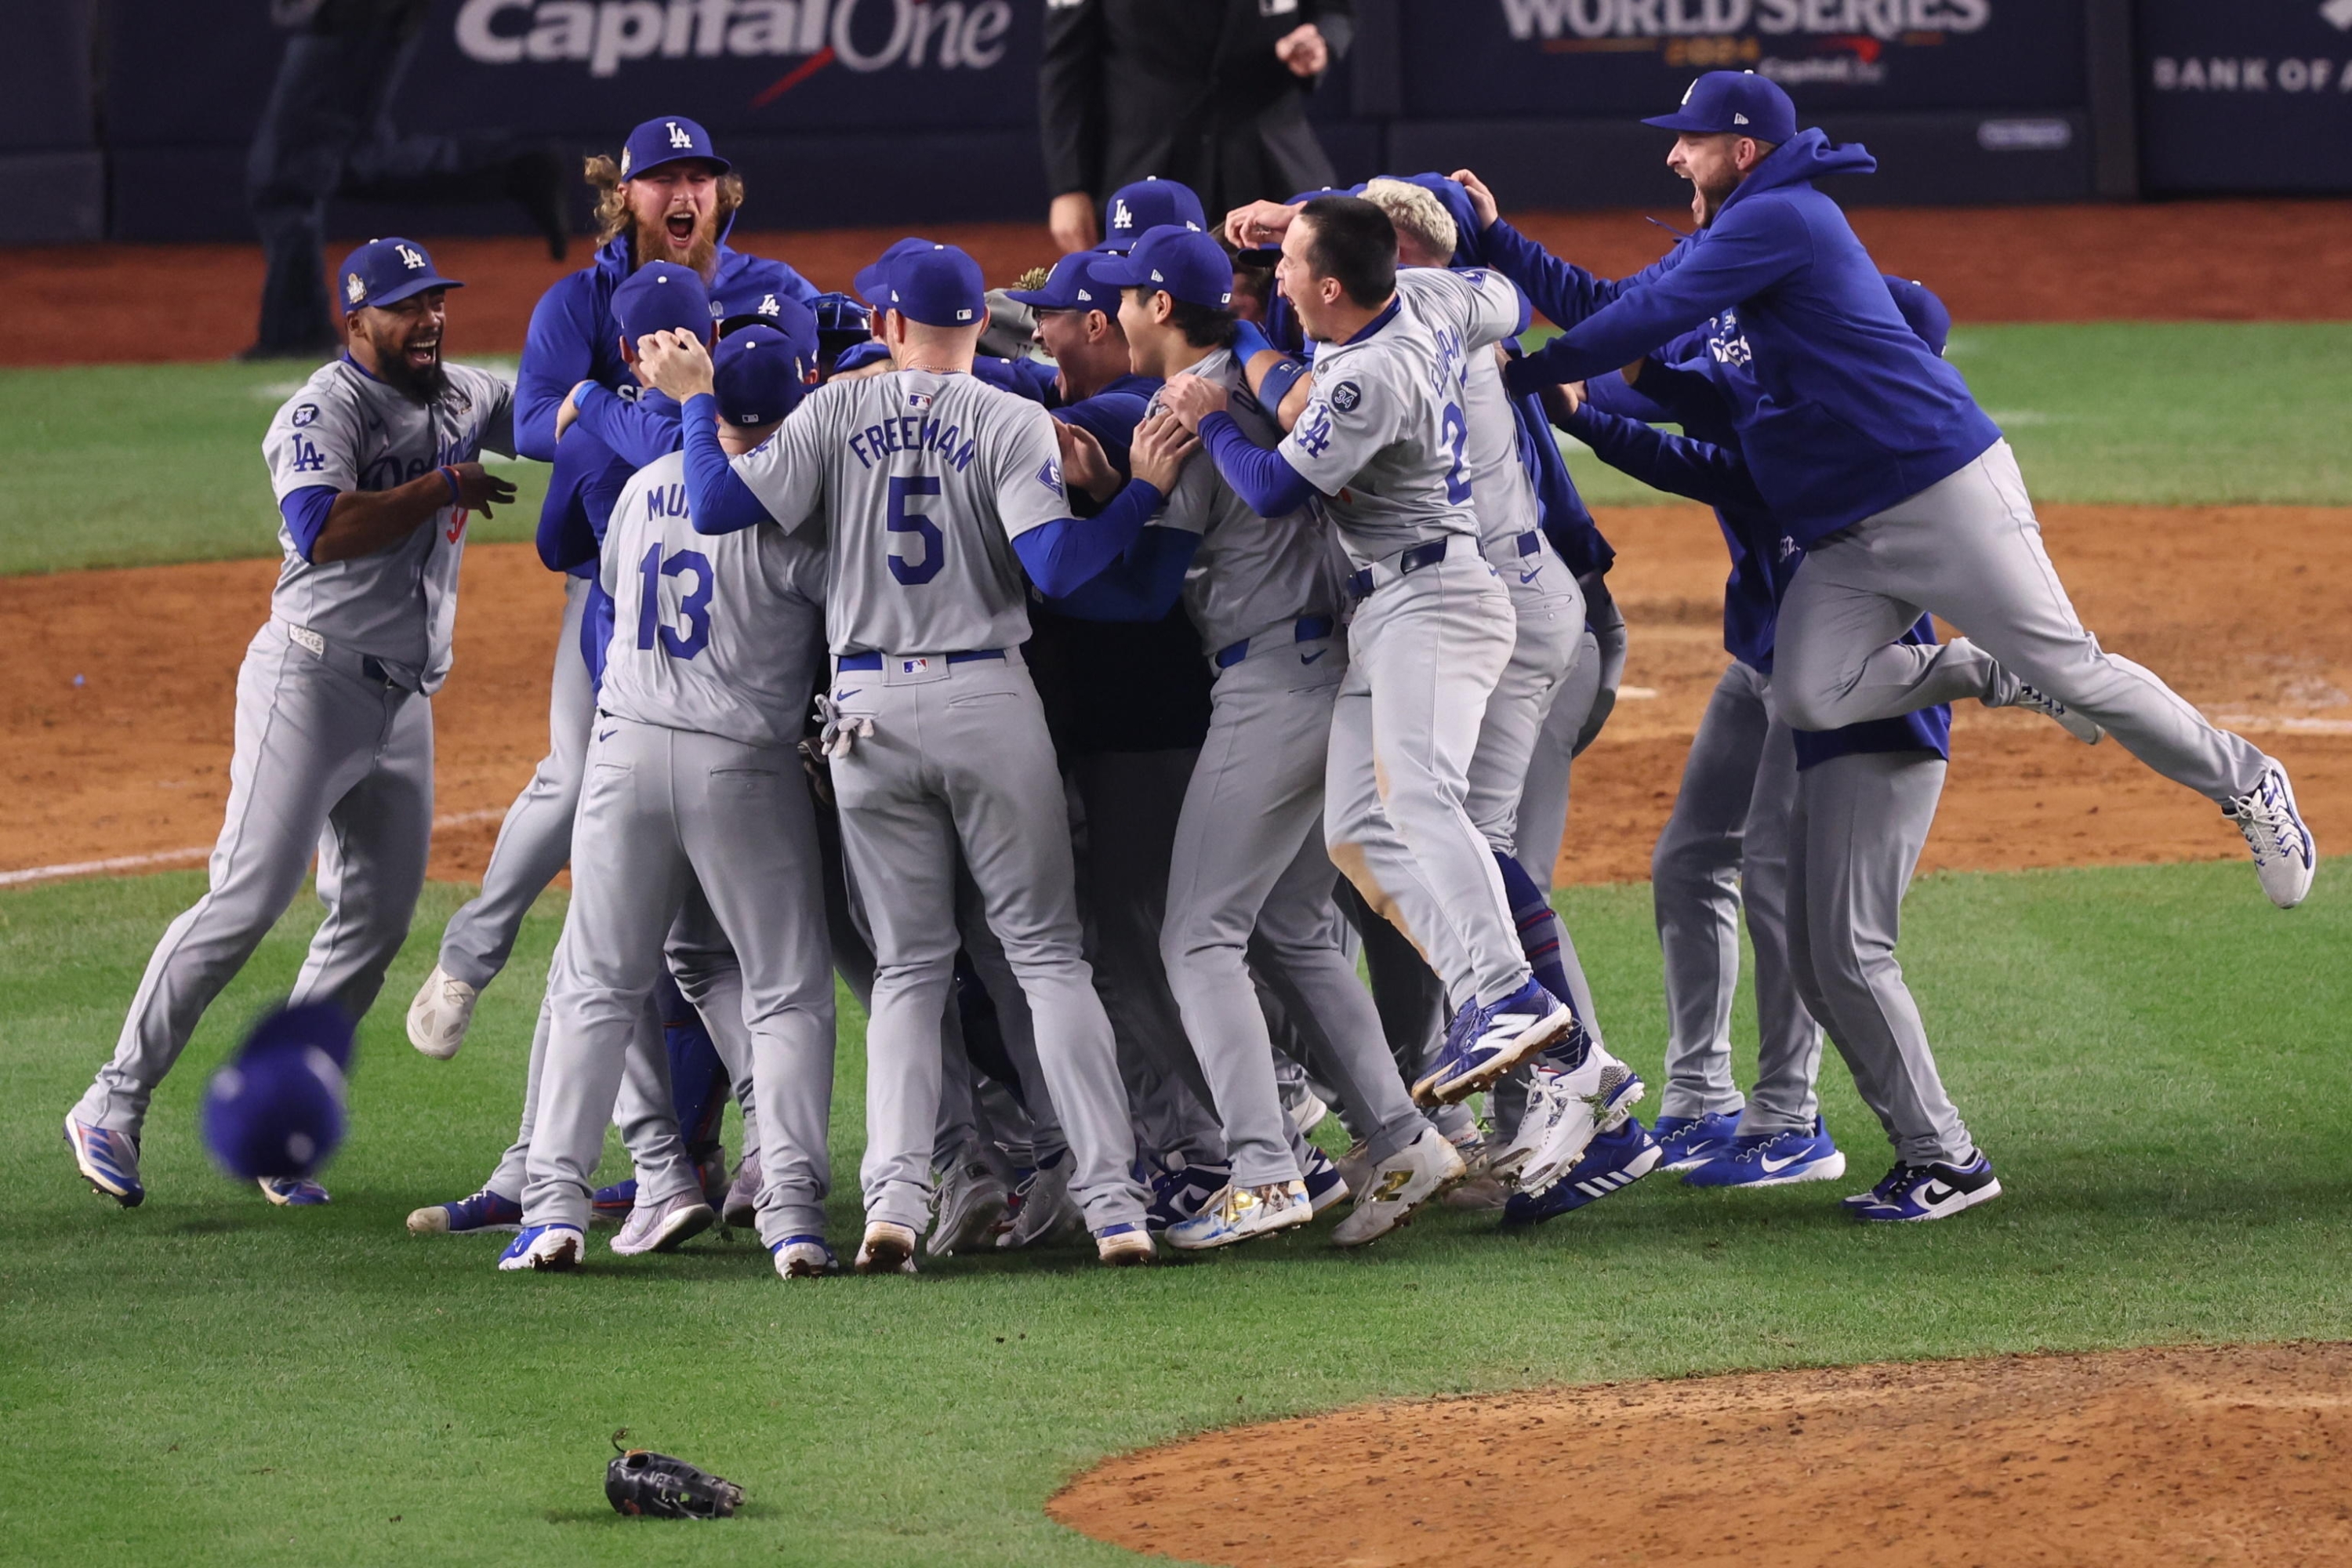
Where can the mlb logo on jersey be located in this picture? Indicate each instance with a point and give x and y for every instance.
(913, 666)
(918, 400)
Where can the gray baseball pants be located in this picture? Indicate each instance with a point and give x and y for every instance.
(961, 761)
(1424, 651)
(1859, 824)
(1249, 860)
(327, 762)
(1968, 549)
(661, 810)
(1548, 617)
(535, 839)
(1724, 849)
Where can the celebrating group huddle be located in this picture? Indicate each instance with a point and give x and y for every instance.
(1153, 686)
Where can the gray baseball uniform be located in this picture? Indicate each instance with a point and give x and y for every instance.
(1249, 857)
(1548, 607)
(1543, 804)
(1855, 834)
(1726, 847)
(1968, 549)
(1384, 438)
(334, 725)
(923, 480)
(693, 779)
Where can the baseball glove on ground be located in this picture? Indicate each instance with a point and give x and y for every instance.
(657, 1485)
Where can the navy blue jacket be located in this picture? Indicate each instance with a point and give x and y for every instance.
(1852, 413)
(1717, 475)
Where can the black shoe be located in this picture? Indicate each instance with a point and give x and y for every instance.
(536, 182)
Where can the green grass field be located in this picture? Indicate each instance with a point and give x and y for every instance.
(137, 465)
(2152, 1056)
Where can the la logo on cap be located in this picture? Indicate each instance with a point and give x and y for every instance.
(1121, 217)
(678, 135)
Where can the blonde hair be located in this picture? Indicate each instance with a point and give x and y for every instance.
(1417, 213)
(604, 173)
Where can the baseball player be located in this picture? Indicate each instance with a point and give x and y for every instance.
(374, 463)
(1250, 880)
(694, 780)
(671, 198)
(929, 483)
(1887, 472)
(1382, 451)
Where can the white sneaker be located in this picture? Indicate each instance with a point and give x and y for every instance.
(438, 1017)
(804, 1257)
(887, 1248)
(2285, 858)
(1597, 1096)
(2035, 700)
(1048, 1214)
(1238, 1213)
(665, 1226)
(1399, 1185)
(972, 1202)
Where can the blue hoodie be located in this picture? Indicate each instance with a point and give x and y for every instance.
(1854, 413)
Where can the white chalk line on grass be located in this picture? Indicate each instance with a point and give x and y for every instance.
(177, 856)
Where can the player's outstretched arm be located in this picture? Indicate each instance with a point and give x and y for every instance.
(360, 522)
(1678, 465)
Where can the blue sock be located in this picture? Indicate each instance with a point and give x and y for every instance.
(1539, 939)
(698, 1085)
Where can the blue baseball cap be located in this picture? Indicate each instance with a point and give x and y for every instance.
(1071, 286)
(761, 373)
(666, 141)
(1135, 210)
(1186, 263)
(662, 297)
(936, 285)
(277, 1109)
(1738, 103)
(1924, 311)
(386, 271)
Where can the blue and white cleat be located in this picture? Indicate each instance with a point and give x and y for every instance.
(2284, 855)
(1686, 1141)
(1934, 1192)
(1570, 1110)
(1771, 1160)
(292, 1192)
(804, 1257)
(108, 1161)
(551, 1248)
(1612, 1162)
(1324, 1185)
(1879, 1194)
(610, 1206)
(1179, 1195)
(1238, 1213)
(484, 1211)
(1483, 1046)
(665, 1226)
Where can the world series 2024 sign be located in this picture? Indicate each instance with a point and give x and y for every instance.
(1584, 59)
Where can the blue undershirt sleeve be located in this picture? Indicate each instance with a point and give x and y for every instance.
(1142, 584)
(1261, 476)
(633, 431)
(716, 496)
(1716, 475)
(305, 511)
(1064, 554)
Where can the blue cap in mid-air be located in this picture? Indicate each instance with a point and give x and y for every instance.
(1135, 210)
(386, 271)
(1738, 103)
(1926, 314)
(1071, 286)
(759, 374)
(277, 1109)
(936, 285)
(1186, 263)
(666, 141)
(661, 297)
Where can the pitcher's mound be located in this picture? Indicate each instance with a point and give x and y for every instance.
(2238, 1454)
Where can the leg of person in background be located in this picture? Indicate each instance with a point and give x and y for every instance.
(710, 1049)
(1859, 824)
(1694, 890)
(1542, 821)
(534, 843)
(1779, 1137)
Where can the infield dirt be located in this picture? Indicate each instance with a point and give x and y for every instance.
(2234, 1455)
(118, 714)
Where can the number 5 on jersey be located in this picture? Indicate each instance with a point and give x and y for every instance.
(910, 572)
(693, 608)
